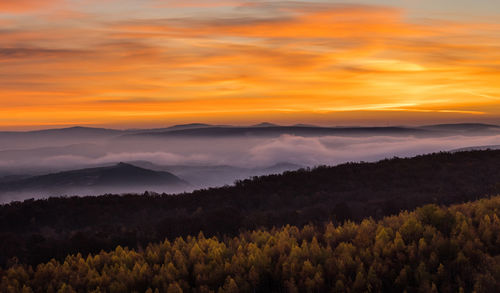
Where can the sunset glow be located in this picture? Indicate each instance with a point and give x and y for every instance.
(153, 62)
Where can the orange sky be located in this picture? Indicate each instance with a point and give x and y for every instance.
(151, 62)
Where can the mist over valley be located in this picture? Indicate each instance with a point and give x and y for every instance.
(203, 155)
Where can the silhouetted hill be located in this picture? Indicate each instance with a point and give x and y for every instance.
(37, 230)
(261, 128)
(477, 148)
(55, 137)
(173, 127)
(265, 124)
(77, 135)
(464, 128)
(432, 249)
(117, 177)
(188, 126)
(77, 130)
(269, 131)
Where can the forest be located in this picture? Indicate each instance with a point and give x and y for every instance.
(433, 249)
(35, 231)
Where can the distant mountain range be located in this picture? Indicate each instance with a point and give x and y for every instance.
(77, 130)
(477, 148)
(270, 131)
(265, 128)
(462, 127)
(77, 135)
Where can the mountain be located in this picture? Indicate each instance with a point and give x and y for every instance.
(477, 148)
(304, 125)
(266, 129)
(56, 137)
(273, 131)
(75, 135)
(188, 126)
(117, 178)
(265, 124)
(464, 128)
(77, 130)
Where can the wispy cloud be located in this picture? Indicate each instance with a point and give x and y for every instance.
(239, 57)
(19, 6)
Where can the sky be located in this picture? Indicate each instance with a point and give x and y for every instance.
(151, 63)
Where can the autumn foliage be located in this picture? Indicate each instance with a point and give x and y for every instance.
(433, 249)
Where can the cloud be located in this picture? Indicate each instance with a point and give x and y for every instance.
(194, 3)
(313, 151)
(17, 6)
(297, 21)
(36, 53)
(163, 158)
(250, 58)
(77, 160)
(249, 152)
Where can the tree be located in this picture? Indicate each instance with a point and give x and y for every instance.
(230, 286)
(174, 288)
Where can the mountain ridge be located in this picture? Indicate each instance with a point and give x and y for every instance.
(259, 125)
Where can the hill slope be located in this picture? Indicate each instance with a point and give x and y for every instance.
(430, 250)
(272, 130)
(39, 230)
(113, 178)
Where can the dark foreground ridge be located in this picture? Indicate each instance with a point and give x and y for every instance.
(36, 230)
(433, 249)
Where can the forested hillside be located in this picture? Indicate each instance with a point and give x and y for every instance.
(35, 231)
(433, 249)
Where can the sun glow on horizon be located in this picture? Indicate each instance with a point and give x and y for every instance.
(66, 62)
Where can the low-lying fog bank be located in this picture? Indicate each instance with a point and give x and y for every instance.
(204, 161)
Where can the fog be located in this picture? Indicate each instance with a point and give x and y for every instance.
(335, 150)
(10, 196)
(240, 152)
(205, 162)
